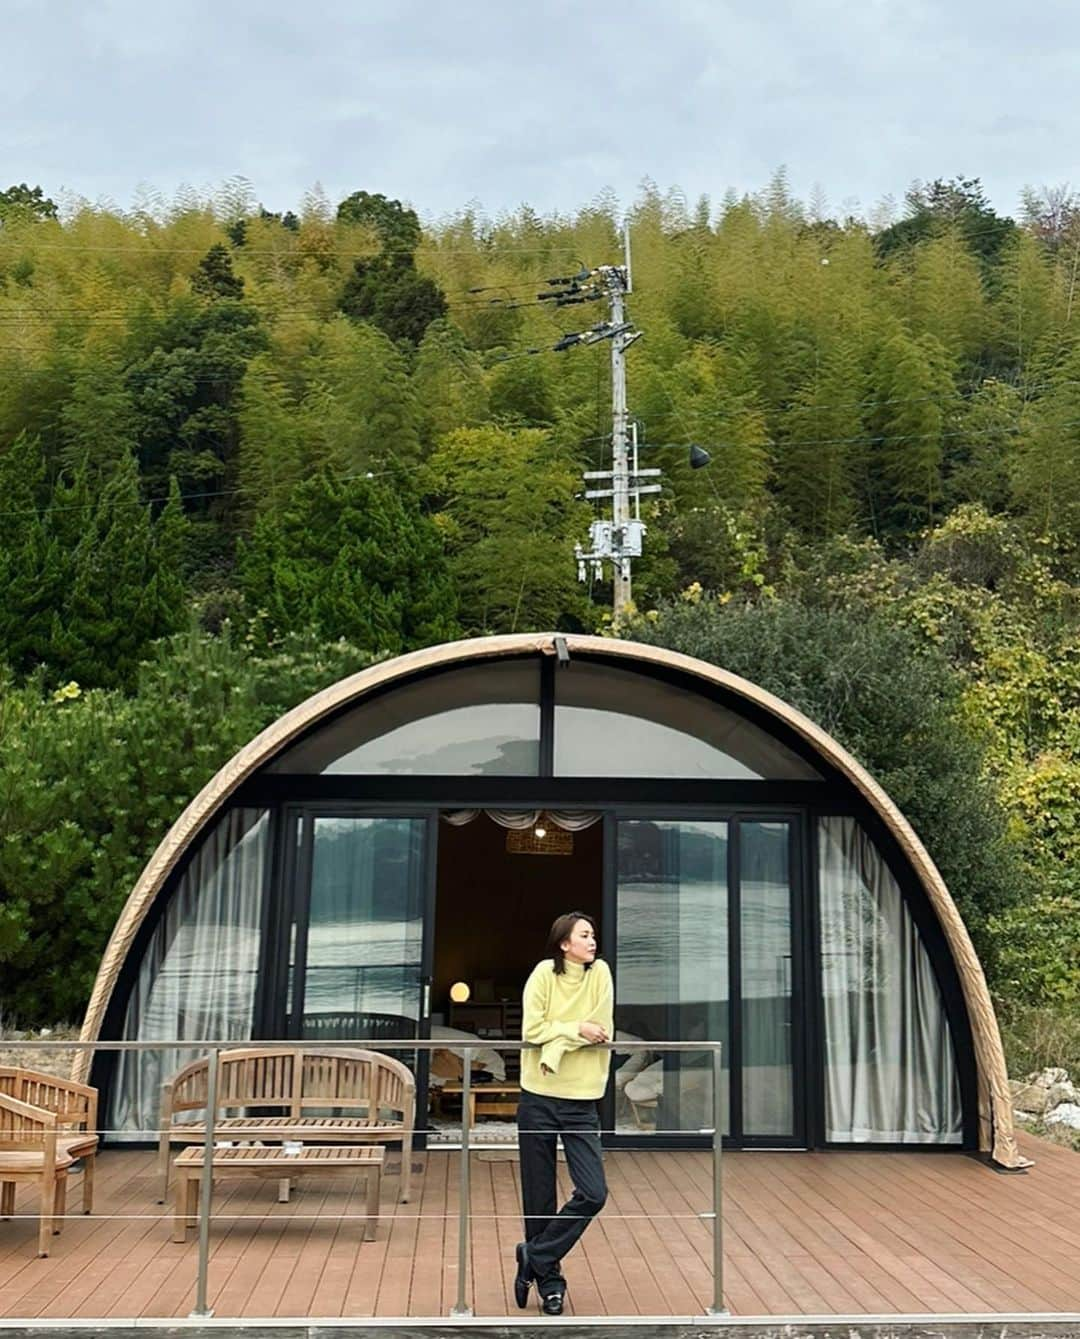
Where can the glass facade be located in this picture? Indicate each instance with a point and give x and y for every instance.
(703, 913)
(615, 722)
(358, 971)
(766, 978)
(480, 721)
(671, 971)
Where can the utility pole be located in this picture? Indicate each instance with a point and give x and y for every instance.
(619, 540)
(618, 285)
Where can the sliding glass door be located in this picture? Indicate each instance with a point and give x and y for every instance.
(353, 957)
(705, 950)
(358, 969)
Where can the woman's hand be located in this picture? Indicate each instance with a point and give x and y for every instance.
(592, 1032)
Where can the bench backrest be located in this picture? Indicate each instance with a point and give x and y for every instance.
(291, 1081)
(25, 1128)
(73, 1104)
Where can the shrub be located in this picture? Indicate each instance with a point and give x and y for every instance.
(892, 701)
(91, 781)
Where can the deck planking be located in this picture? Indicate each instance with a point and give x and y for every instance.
(837, 1233)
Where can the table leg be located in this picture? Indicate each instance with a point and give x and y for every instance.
(374, 1198)
(180, 1195)
(194, 1187)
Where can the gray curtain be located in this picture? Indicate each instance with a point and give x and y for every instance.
(571, 820)
(197, 977)
(890, 1070)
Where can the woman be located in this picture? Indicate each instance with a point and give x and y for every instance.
(568, 1006)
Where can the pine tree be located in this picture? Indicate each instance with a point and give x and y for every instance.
(124, 590)
(214, 278)
(33, 567)
(351, 558)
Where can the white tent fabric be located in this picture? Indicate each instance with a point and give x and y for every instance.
(198, 973)
(890, 1072)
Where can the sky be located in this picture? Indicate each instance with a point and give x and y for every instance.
(498, 103)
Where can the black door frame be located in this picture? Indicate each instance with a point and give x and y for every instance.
(279, 1005)
(280, 992)
(802, 1085)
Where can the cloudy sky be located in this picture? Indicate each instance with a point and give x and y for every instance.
(443, 102)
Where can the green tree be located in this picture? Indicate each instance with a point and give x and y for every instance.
(893, 702)
(125, 584)
(521, 393)
(214, 277)
(34, 568)
(1045, 468)
(90, 782)
(26, 202)
(901, 467)
(353, 559)
(448, 382)
(822, 433)
(388, 292)
(185, 390)
(940, 206)
(508, 514)
(396, 225)
(98, 423)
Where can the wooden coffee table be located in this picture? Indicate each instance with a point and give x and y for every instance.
(276, 1164)
(488, 1099)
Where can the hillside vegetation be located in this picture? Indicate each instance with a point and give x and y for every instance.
(243, 453)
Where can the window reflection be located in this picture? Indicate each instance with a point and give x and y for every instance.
(672, 978)
(483, 720)
(613, 722)
(765, 934)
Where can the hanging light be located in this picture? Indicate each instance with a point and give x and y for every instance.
(540, 831)
(460, 992)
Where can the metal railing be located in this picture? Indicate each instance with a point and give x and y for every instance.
(461, 1308)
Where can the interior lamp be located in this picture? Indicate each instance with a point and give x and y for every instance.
(459, 992)
(540, 831)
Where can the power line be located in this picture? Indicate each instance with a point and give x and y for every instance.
(394, 472)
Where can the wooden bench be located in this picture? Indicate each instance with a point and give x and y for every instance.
(45, 1124)
(377, 1093)
(277, 1164)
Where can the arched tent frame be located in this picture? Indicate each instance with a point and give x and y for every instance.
(995, 1126)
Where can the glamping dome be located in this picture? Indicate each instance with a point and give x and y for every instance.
(419, 825)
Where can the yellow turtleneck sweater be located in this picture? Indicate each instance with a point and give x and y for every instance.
(553, 1008)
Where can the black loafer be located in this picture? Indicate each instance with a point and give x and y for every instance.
(551, 1304)
(523, 1277)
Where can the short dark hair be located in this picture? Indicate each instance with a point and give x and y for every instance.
(562, 929)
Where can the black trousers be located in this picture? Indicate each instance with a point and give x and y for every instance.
(541, 1120)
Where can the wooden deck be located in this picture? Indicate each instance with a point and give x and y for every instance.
(805, 1234)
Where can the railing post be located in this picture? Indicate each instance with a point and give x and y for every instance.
(718, 1308)
(203, 1310)
(461, 1307)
